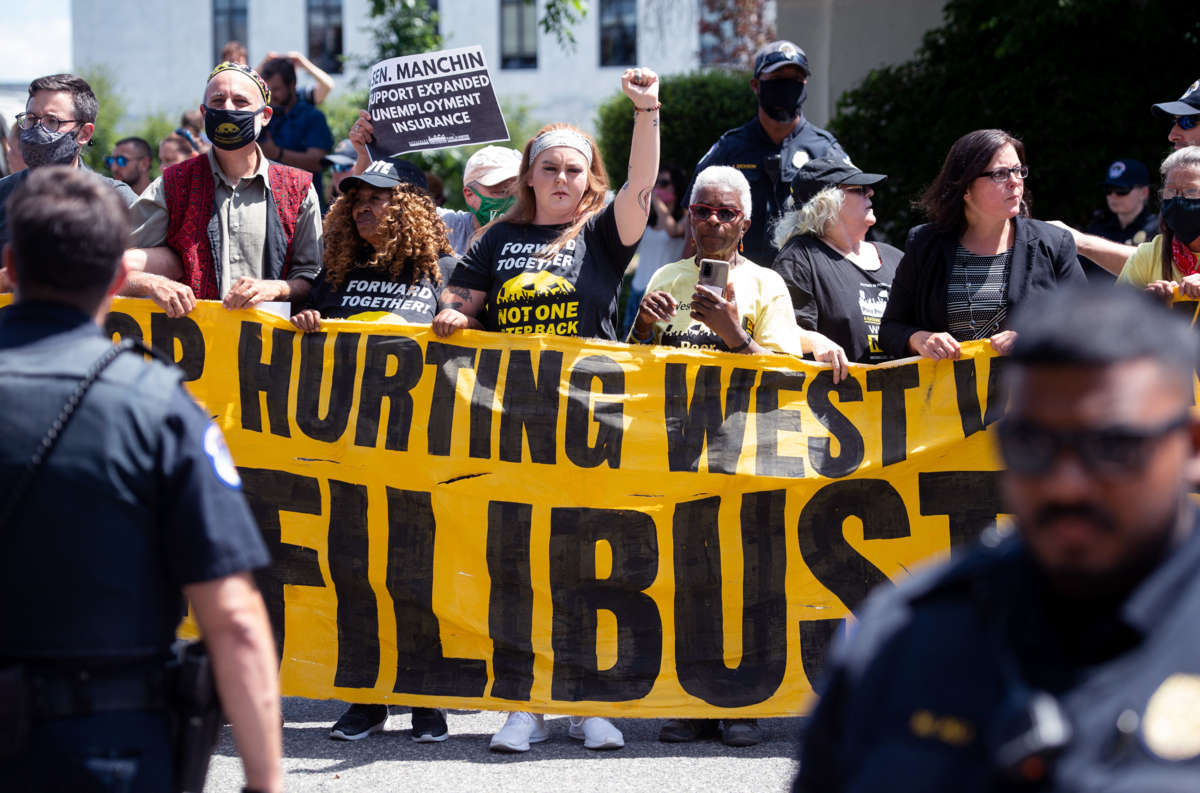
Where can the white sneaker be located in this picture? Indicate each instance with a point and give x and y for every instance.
(520, 730)
(595, 732)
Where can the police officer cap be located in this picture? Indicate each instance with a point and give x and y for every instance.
(778, 54)
(824, 172)
(1188, 104)
(1127, 173)
(389, 173)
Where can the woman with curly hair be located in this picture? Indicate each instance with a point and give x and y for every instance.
(386, 251)
(553, 262)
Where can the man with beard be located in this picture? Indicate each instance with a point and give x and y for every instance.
(227, 225)
(298, 134)
(773, 145)
(59, 119)
(130, 163)
(1061, 655)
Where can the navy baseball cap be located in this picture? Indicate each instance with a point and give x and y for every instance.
(778, 54)
(389, 173)
(1127, 173)
(342, 154)
(1188, 104)
(824, 172)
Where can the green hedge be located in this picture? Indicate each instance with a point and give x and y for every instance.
(697, 109)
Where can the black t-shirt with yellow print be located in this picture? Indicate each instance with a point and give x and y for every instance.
(571, 292)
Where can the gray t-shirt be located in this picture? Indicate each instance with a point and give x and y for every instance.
(461, 225)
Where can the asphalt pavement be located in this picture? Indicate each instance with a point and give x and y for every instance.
(391, 761)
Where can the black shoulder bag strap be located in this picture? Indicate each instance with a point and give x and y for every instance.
(50, 440)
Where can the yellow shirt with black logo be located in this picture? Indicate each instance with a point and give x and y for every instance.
(764, 306)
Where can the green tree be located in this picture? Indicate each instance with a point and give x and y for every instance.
(697, 109)
(408, 27)
(108, 117)
(1074, 79)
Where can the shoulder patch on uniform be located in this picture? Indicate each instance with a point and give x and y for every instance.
(218, 454)
(1171, 725)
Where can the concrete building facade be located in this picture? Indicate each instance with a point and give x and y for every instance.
(159, 52)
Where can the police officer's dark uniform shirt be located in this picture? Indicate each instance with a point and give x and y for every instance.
(1107, 225)
(916, 697)
(139, 498)
(769, 168)
(368, 293)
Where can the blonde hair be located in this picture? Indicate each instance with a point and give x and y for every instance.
(523, 211)
(812, 218)
(412, 228)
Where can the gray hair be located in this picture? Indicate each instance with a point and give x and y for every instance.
(812, 218)
(724, 176)
(1187, 157)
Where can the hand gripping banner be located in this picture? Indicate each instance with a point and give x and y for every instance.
(576, 526)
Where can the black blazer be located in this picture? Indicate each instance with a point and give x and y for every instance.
(1043, 258)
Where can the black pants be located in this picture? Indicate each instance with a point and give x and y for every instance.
(113, 752)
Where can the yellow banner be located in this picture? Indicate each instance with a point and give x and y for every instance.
(574, 526)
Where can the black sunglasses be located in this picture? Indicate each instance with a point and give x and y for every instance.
(1186, 122)
(1121, 191)
(1029, 448)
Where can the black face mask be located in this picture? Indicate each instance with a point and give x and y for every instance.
(1182, 216)
(781, 99)
(230, 129)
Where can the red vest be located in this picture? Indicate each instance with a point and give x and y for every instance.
(189, 189)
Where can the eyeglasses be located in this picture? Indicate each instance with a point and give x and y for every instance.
(1168, 193)
(664, 182)
(120, 161)
(1121, 191)
(1186, 122)
(858, 188)
(1031, 449)
(342, 168)
(1000, 175)
(703, 212)
(48, 123)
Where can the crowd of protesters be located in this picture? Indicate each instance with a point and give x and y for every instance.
(766, 250)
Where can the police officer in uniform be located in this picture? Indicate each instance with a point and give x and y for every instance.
(771, 147)
(1064, 655)
(135, 505)
(1126, 217)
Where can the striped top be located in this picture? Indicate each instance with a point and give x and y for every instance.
(977, 295)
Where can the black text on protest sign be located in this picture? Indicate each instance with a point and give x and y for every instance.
(432, 101)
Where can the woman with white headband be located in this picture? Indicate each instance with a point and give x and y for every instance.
(553, 262)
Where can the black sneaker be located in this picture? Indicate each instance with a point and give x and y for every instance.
(740, 732)
(686, 730)
(358, 722)
(429, 725)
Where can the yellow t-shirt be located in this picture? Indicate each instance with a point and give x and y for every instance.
(762, 300)
(1145, 265)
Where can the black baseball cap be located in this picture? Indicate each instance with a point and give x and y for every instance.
(778, 54)
(389, 173)
(824, 172)
(1127, 173)
(1188, 104)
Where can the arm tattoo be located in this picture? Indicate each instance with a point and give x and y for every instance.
(644, 201)
(460, 291)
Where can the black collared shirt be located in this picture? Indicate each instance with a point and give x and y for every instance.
(1105, 224)
(914, 699)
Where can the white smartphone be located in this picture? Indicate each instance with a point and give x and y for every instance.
(714, 273)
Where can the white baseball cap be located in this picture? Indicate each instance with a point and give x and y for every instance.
(491, 165)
